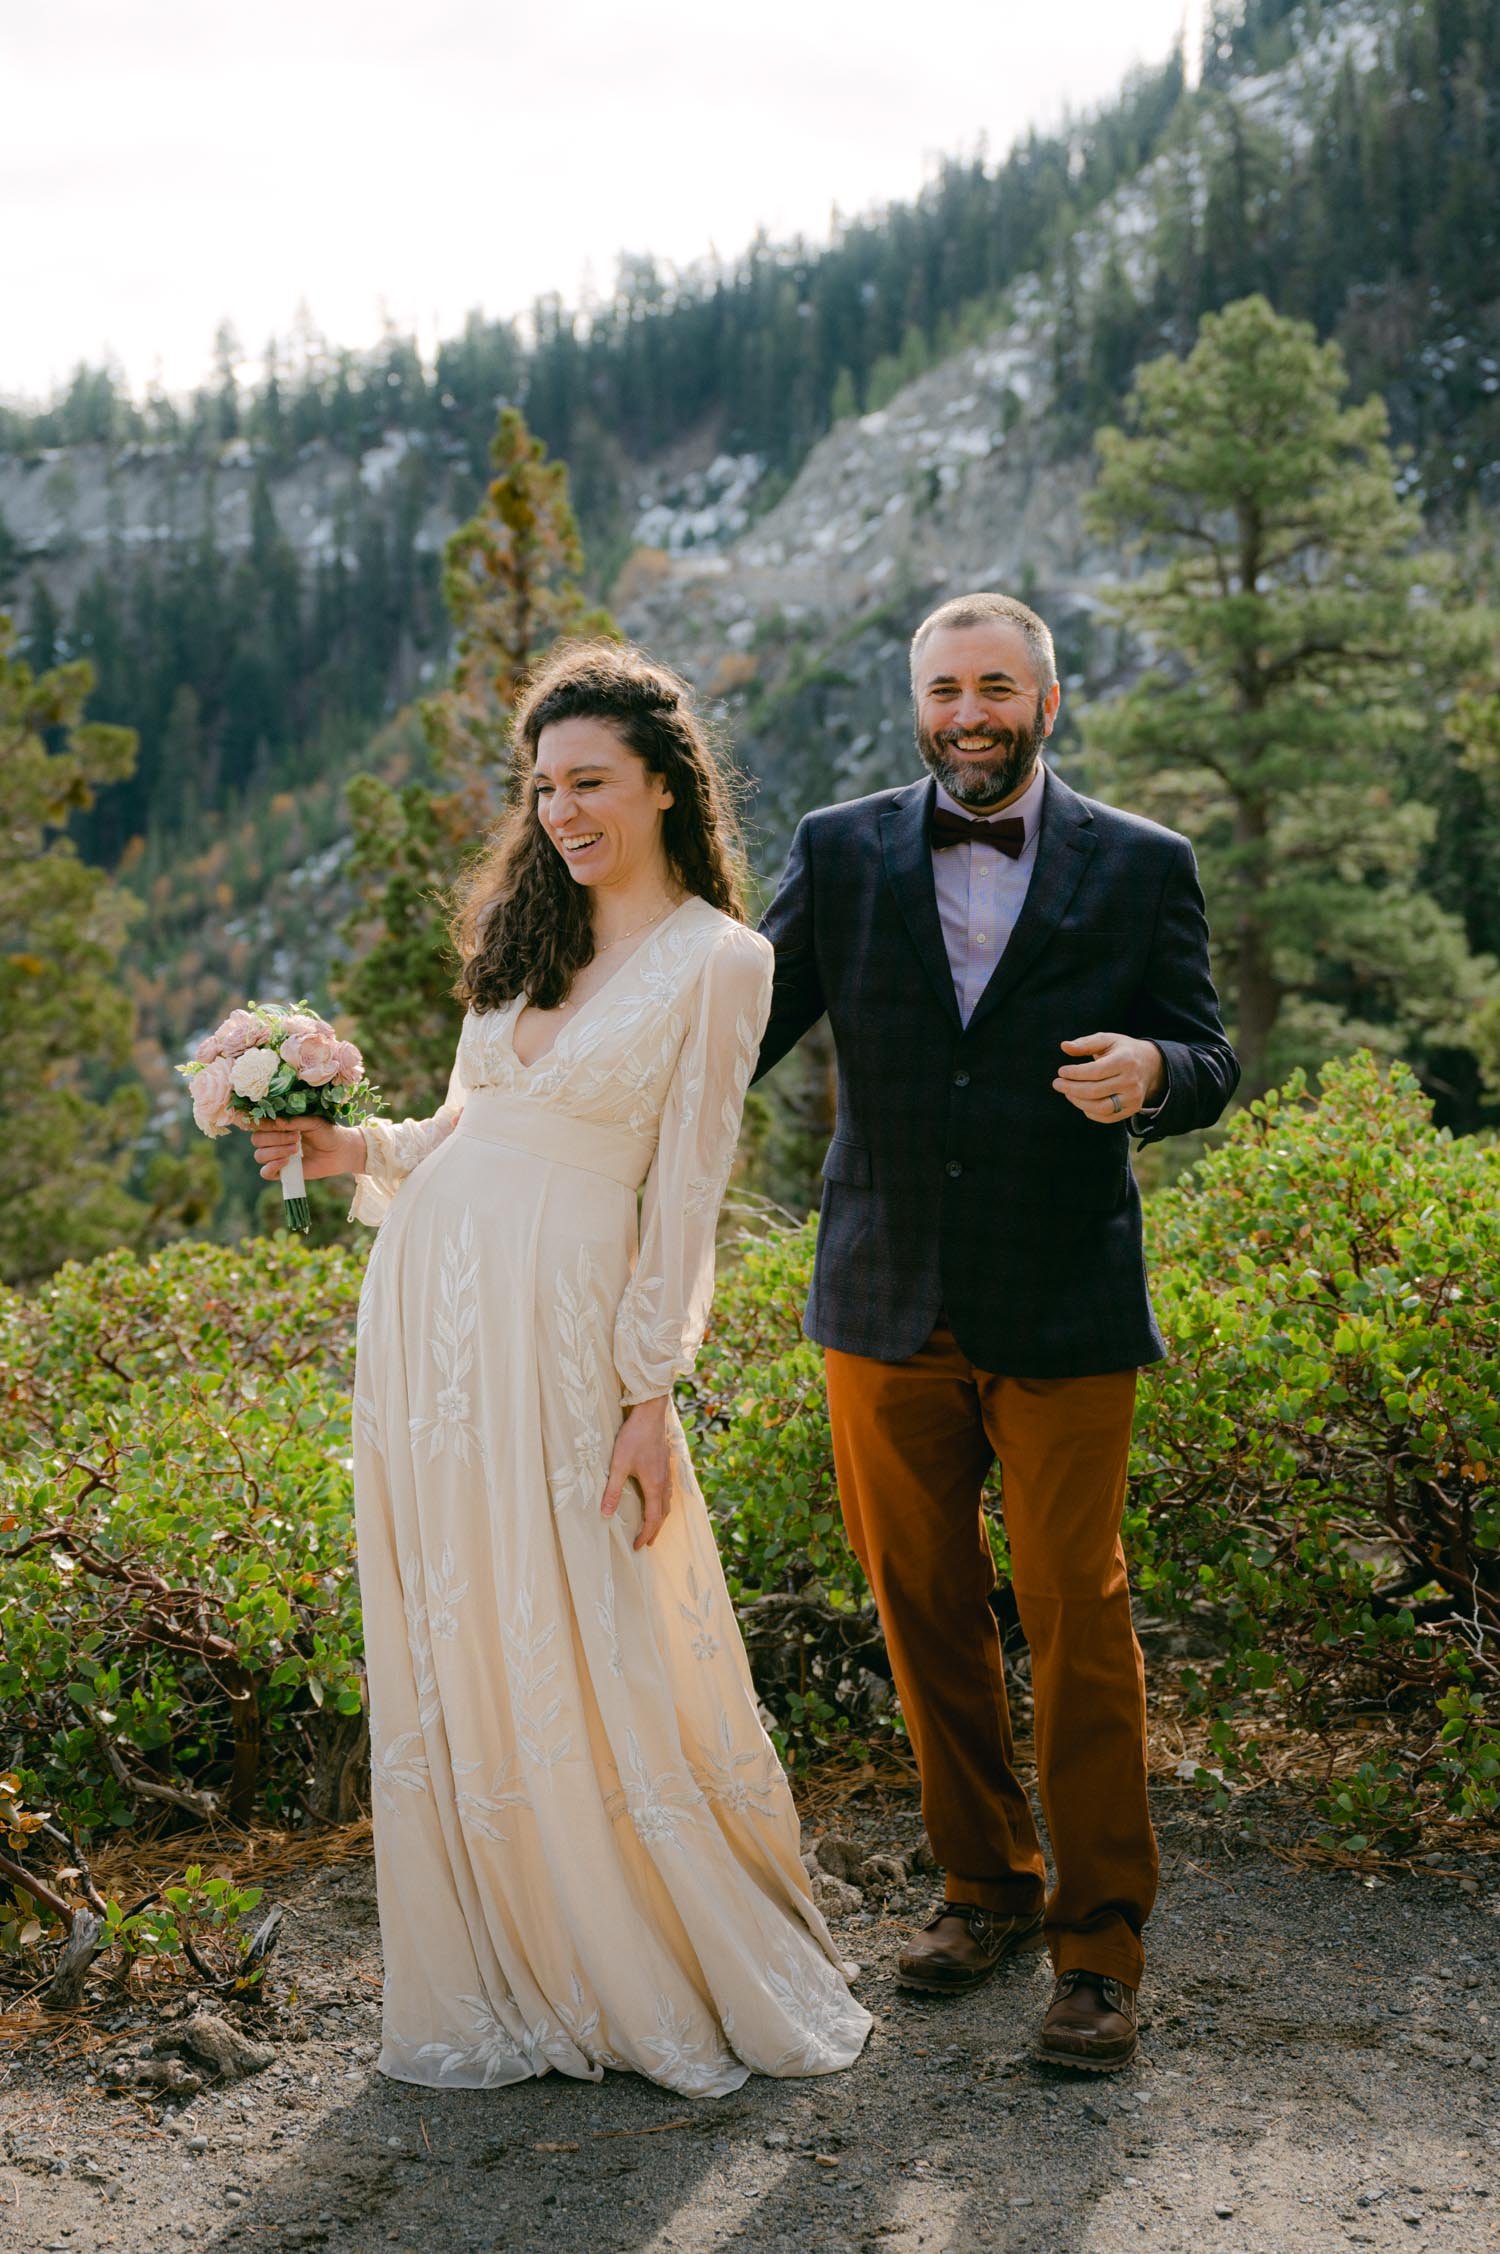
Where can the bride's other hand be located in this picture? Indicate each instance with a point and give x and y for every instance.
(641, 1454)
(326, 1147)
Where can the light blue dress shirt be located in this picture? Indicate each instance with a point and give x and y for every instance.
(980, 893)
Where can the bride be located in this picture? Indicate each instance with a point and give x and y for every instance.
(586, 1850)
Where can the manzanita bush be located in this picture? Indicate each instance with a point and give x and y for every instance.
(1316, 1468)
(179, 1621)
(1319, 1460)
(1316, 1482)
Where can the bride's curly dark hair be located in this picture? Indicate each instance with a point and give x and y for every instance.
(521, 923)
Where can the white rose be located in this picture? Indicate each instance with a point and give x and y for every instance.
(253, 1073)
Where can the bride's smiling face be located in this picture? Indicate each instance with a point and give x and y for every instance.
(599, 804)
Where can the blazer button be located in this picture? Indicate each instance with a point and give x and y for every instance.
(953, 1168)
(960, 1080)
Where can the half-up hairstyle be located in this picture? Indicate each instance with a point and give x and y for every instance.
(522, 924)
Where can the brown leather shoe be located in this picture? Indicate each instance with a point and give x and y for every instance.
(1090, 2024)
(961, 1945)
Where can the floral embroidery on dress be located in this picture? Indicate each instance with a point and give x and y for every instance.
(494, 2053)
(583, 2027)
(452, 1349)
(529, 1672)
(699, 1616)
(604, 1613)
(481, 1811)
(419, 1641)
(445, 1593)
(398, 1768)
(658, 1806)
(747, 1781)
(580, 1353)
(367, 1422)
(816, 2000)
(685, 2059)
(650, 1336)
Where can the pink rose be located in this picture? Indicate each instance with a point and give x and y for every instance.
(210, 1091)
(351, 1065)
(298, 1021)
(241, 1030)
(314, 1057)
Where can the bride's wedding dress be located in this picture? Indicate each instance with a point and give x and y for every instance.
(586, 1849)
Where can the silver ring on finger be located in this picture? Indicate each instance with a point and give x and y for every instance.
(1115, 1104)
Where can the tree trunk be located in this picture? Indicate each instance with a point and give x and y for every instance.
(1257, 991)
(244, 1777)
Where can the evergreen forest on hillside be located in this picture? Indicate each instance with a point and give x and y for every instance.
(244, 672)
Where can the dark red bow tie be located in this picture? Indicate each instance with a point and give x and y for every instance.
(1007, 837)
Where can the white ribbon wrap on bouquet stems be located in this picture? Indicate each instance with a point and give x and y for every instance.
(293, 1183)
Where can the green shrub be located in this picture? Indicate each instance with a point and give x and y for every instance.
(756, 1415)
(1319, 1459)
(1315, 1478)
(179, 1621)
(757, 1423)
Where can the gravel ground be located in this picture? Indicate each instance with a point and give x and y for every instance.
(1318, 2071)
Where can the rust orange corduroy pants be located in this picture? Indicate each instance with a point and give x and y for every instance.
(913, 1442)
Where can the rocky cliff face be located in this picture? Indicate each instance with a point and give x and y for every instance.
(800, 621)
(800, 625)
(68, 509)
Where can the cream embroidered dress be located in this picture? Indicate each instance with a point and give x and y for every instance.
(586, 1850)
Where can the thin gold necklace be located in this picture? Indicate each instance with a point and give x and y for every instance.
(603, 947)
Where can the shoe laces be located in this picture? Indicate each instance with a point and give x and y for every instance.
(979, 1921)
(1110, 1989)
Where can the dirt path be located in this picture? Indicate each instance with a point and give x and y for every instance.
(1320, 2071)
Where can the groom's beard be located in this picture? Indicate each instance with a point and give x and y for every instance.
(980, 783)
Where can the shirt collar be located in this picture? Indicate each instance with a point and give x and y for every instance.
(1027, 808)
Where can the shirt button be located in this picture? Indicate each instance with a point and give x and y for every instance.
(960, 1080)
(982, 937)
(953, 1168)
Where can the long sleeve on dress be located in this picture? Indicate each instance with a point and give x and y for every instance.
(394, 1146)
(661, 1317)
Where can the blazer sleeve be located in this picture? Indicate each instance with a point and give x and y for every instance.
(394, 1146)
(797, 999)
(1178, 1009)
(660, 1322)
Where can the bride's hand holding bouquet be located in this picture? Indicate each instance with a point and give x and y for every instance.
(283, 1074)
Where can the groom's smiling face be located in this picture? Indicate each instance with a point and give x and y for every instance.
(981, 717)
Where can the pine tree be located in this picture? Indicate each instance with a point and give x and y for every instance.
(511, 581)
(1301, 650)
(65, 1024)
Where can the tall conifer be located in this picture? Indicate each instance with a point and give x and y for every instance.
(65, 1022)
(1302, 648)
(511, 579)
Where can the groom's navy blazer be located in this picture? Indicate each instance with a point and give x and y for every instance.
(958, 1181)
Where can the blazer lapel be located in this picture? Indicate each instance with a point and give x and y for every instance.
(1064, 844)
(908, 869)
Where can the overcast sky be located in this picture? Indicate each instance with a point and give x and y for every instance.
(167, 164)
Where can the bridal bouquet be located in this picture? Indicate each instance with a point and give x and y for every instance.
(278, 1062)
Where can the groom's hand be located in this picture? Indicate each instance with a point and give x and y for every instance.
(641, 1454)
(1122, 1076)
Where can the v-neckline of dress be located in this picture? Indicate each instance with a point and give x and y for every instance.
(587, 1004)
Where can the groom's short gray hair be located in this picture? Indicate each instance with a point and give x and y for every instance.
(978, 610)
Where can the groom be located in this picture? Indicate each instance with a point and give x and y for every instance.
(1017, 980)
